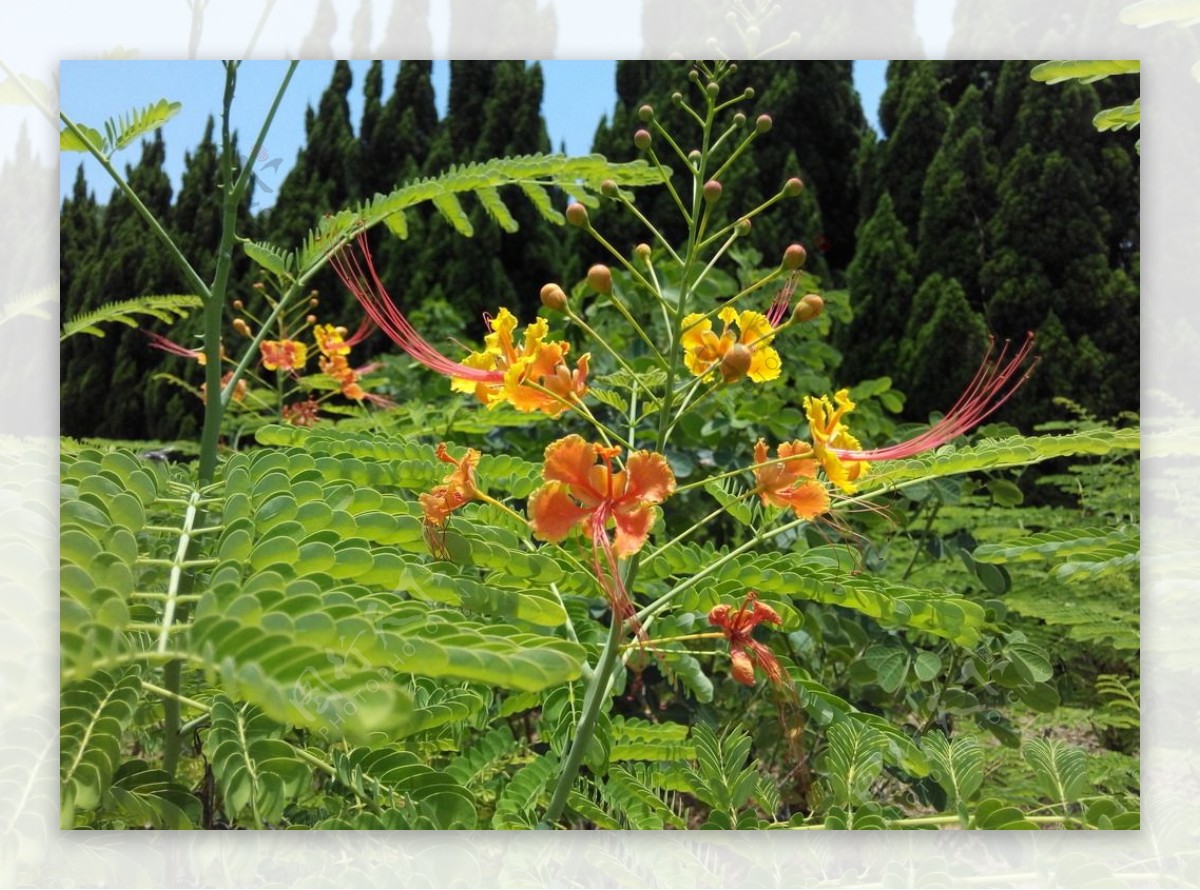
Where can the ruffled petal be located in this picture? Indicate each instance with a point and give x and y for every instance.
(570, 460)
(633, 528)
(648, 478)
(553, 513)
(765, 364)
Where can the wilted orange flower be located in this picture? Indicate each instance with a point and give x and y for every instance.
(792, 482)
(455, 490)
(283, 355)
(534, 364)
(746, 354)
(583, 490)
(745, 652)
(301, 413)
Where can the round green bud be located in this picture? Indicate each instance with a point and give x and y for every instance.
(712, 88)
(793, 187)
(742, 226)
(763, 124)
(646, 113)
(577, 214)
(748, 93)
(712, 191)
(794, 256)
(677, 97)
(609, 189)
(642, 251)
(599, 279)
(739, 119)
(642, 139)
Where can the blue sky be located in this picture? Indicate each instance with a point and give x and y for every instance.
(577, 94)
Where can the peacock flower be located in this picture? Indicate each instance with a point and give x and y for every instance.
(361, 278)
(158, 341)
(536, 376)
(584, 491)
(283, 355)
(455, 490)
(791, 482)
(832, 441)
(334, 349)
(331, 340)
(747, 353)
(301, 413)
(737, 625)
(844, 459)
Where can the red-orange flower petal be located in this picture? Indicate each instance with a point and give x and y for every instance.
(570, 460)
(553, 513)
(649, 477)
(633, 527)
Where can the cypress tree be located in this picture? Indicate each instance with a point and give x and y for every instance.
(920, 123)
(957, 200)
(881, 279)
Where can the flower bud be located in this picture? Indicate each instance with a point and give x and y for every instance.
(313, 301)
(646, 113)
(577, 215)
(608, 188)
(794, 257)
(810, 307)
(258, 285)
(677, 97)
(642, 251)
(239, 325)
(763, 124)
(310, 319)
(694, 76)
(712, 191)
(732, 67)
(748, 93)
(793, 187)
(642, 140)
(742, 226)
(739, 119)
(239, 305)
(554, 298)
(712, 88)
(599, 279)
(694, 155)
(736, 363)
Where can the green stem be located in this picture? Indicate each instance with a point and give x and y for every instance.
(597, 692)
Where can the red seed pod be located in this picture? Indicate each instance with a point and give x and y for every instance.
(599, 279)
(554, 298)
(794, 257)
(793, 187)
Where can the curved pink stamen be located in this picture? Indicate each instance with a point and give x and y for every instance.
(779, 306)
(365, 330)
(992, 386)
(370, 292)
(158, 341)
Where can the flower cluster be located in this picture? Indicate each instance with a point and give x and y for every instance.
(747, 353)
(455, 490)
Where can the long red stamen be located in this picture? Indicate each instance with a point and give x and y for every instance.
(779, 306)
(370, 292)
(992, 386)
(365, 330)
(158, 341)
(609, 574)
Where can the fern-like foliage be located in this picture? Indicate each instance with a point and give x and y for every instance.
(400, 779)
(1082, 554)
(121, 131)
(534, 175)
(1061, 769)
(721, 777)
(164, 307)
(520, 798)
(1121, 117)
(94, 715)
(957, 766)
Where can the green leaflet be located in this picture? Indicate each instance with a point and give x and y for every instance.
(1086, 71)
(94, 714)
(399, 778)
(121, 131)
(165, 307)
(256, 771)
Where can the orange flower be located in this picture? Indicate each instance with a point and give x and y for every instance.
(283, 355)
(301, 413)
(777, 482)
(330, 340)
(455, 490)
(583, 490)
(745, 652)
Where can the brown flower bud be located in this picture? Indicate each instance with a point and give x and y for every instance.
(554, 298)
(763, 124)
(794, 257)
(239, 325)
(577, 214)
(736, 363)
(793, 187)
(712, 191)
(810, 307)
(646, 113)
(642, 139)
(239, 305)
(599, 279)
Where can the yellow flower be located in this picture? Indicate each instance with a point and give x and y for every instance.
(747, 354)
(330, 340)
(830, 435)
(529, 371)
